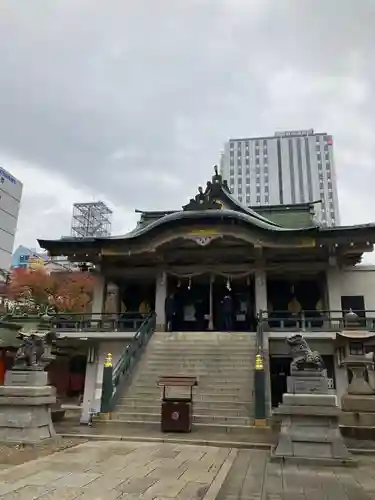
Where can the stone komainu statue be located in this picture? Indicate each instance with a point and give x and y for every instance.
(31, 355)
(303, 357)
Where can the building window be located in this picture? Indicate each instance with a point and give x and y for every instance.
(247, 189)
(256, 143)
(258, 189)
(239, 145)
(247, 200)
(247, 144)
(258, 199)
(231, 145)
(356, 303)
(247, 161)
(239, 171)
(266, 199)
(266, 189)
(232, 161)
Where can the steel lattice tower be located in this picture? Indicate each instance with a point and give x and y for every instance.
(91, 219)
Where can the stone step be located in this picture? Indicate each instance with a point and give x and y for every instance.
(219, 428)
(193, 372)
(202, 386)
(241, 379)
(200, 419)
(212, 365)
(177, 346)
(198, 408)
(132, 401)
(207, 396)
(210, 356)
(206, 336)
(155, 371)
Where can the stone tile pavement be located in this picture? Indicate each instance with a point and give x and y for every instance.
(253, 477)
(113, 470)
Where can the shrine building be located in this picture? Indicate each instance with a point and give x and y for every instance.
(279, 265)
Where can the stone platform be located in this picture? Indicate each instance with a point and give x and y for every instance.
(310, 431)
(25, 407)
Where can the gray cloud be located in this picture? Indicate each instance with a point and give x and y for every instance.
(135, 99)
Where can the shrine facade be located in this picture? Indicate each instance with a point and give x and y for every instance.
(274, 259)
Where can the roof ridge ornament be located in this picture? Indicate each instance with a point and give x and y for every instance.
(205, 200)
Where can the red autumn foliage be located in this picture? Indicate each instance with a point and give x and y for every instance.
(66, 292)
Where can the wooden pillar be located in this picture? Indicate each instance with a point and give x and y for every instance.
(99, 295)
(211, 301)
(260, 291)
(160, 297)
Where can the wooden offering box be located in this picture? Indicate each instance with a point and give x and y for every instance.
(177, 412)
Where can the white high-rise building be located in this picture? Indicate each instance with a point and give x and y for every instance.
(10, 199)
(287, 168)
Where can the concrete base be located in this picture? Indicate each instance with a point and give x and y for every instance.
(309, 429)
(25, 410)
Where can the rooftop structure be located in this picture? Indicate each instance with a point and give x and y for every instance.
(91, 219)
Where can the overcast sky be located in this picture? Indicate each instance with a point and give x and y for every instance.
(130, 102)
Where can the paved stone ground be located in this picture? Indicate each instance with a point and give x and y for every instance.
(253, 477)
(109, 470)
(113, 470)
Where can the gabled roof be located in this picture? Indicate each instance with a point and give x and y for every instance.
(214, 204)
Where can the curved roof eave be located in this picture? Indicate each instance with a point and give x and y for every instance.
(215, 214)
(249, 211)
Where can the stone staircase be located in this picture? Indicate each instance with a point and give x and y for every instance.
(223, 363)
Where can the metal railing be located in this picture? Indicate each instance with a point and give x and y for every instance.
(314, 321)
(115, 377)
(125, 322)
(78, 322)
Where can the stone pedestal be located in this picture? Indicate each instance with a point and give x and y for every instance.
(358, 410)
(310, 418)
(25, 407)
(358, 404)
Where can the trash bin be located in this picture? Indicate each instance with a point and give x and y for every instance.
(177, 412)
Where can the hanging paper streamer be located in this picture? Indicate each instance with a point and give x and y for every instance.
(189, 285)
(228, 285)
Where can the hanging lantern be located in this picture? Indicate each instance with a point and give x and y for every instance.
(189, 285)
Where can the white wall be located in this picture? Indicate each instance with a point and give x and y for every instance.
(358, 280)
